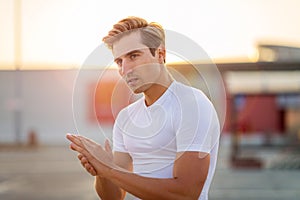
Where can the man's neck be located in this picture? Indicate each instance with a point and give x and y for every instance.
(157, 90)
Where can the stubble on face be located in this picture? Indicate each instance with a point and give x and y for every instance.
(142, 77)
(145, 70)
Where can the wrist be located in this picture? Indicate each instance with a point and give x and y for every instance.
(111, 171)
(106, 172)
(115, 171)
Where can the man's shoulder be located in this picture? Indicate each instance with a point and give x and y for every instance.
(187, 91)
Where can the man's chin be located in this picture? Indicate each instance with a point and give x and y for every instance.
(140, 89)
(137, 90)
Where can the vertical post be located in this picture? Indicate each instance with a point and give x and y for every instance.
(18, 64)
(234, 123)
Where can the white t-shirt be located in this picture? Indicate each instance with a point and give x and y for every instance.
(182, 119)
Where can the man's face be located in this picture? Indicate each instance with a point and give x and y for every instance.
(138, 67)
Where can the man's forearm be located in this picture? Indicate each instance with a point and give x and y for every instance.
(107, 190)
(152, 188)
(189, 176)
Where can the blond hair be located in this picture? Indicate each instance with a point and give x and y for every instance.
(152, 34)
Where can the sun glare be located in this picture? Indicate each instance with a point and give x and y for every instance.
(61, 34)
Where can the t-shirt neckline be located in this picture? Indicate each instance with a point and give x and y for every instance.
(161, 99)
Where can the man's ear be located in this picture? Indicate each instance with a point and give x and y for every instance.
(161, 55)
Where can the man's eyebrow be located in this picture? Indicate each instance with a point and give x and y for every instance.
(129, 53)
(134, 51)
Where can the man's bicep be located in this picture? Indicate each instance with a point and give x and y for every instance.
(191, 169)
(123, 159)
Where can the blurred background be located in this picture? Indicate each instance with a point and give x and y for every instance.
(255, 45)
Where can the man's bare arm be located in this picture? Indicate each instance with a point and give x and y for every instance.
(190, 172)
(108, 190)
(105, 189)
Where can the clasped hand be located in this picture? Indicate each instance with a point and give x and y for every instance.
(94, 158)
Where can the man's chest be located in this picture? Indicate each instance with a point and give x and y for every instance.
(150, 130)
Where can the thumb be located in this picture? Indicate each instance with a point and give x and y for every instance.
(108, 147)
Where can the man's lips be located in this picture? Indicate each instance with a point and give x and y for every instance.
(131, 81)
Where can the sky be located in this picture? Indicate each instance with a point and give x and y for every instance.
(64, 32)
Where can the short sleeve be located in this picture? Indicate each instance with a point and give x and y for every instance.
(198, 126)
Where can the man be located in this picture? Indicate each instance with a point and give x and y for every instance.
(165, 144)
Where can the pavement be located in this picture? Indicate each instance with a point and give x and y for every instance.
(53, 172)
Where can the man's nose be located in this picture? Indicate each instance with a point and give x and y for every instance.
(126, 67)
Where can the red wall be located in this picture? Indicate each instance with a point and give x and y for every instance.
(257, 113)
(107, 97)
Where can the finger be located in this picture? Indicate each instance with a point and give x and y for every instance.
(90, 169)
(75, 147)
(70, 136)
(78, 144)
(92, 147)
(80, 156)
(84, 161)
(80, 150)
(95, 152)
(74, 139)
(71, 147)
(107, 146)
(86, 139)
(93, 172)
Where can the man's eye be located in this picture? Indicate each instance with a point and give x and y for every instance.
(119, 62)
(133, 56)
